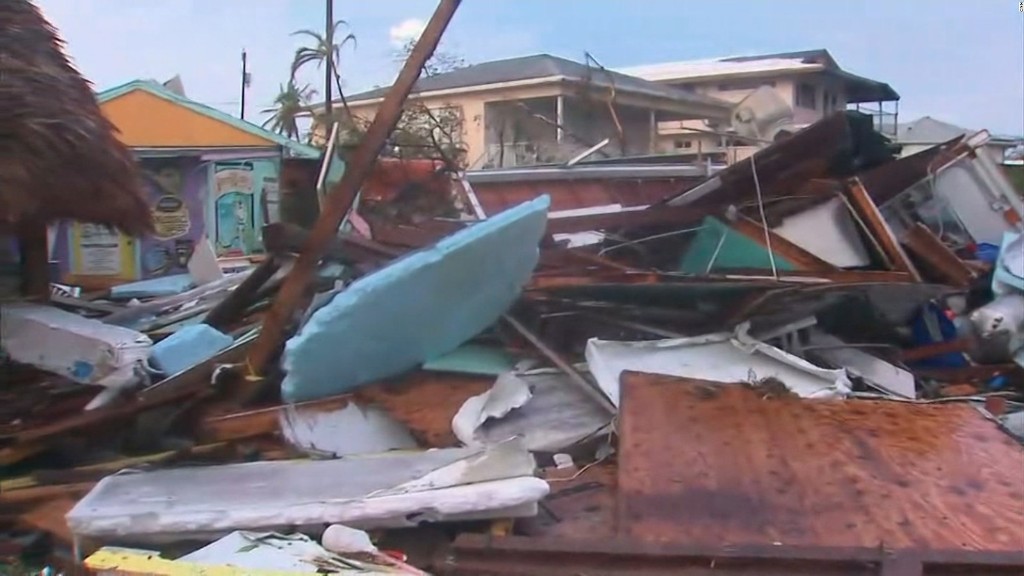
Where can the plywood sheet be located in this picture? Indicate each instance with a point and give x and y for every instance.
(716, 464)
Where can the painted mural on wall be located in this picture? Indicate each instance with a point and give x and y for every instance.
(238, 191)
(175, 195)
(234, 208)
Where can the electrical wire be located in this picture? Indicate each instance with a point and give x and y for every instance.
(764, 219)
(655, 237)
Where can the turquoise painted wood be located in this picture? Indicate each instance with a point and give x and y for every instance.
(736, 251)
(418, 308)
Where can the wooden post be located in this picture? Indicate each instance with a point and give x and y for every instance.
(875, 225)
(33, 245)
(292, 296)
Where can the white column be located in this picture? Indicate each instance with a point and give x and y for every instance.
(560, 115)
(653, 146)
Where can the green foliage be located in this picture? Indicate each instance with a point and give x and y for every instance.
(322, 46)
(290, 103)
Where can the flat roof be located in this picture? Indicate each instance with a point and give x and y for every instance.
(859, 88)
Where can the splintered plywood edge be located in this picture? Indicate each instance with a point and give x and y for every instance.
(711, 463)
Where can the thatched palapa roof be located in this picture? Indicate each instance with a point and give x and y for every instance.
(59, 156)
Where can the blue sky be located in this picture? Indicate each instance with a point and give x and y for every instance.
(956, 60)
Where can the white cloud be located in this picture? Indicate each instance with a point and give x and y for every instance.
(408, 29)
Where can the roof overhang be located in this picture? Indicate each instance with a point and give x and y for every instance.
(860, 89)
(356, 101)
(210, 152)
(742, 75)
(626, 96)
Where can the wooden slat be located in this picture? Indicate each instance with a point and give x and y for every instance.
(758, 468)
(879, 229)
(798, 256)
(936, 257)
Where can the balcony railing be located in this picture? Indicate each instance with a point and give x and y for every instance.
(514, 154)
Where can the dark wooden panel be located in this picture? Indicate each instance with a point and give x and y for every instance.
(425, 402)
(713, 464)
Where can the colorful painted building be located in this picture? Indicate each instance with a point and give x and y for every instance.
(209, 176)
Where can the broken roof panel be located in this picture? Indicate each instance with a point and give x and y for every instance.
(383, 490)
(418, 308)
(816, 473)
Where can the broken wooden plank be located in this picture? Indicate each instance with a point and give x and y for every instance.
(230, 309)
(591, 390)
(179, 387)
(793, 253)
(875, 225)
(97, 471)
(762, 470)
(937, 258)
(347, 248)
(293, 294)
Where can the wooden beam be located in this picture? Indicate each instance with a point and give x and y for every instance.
(798, 256)
(35, 260)
(937, 258)
(591, 390)
(293, 295)
(347, 249)
(232, 308)
(876, 226)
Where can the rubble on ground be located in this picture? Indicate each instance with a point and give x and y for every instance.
(811, 360)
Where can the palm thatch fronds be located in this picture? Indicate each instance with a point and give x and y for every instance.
(59, 156)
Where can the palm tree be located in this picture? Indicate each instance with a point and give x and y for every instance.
(322, 46)
(291, 101)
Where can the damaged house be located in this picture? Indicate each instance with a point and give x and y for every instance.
(542, 108)
(810, 82)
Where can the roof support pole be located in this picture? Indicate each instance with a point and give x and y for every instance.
(560, 116)
(653, 145)
(33, 245)
(293, 295)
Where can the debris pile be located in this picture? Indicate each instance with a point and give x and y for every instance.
(809, 361)
(795, 291)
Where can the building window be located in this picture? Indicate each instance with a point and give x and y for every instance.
(829, 101)
(745, 85)
(681, 144)
(806, 96)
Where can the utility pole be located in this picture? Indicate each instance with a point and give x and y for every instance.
(245, 83)
(329, 68)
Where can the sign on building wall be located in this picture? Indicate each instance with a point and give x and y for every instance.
(100, 251)
(234, 194)
(176, 204)
(244, 195)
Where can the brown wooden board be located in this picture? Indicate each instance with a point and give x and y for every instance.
(799, 256)
(476, 554)
(713, 464)
(425, 402)
(876, 226)
(937, 259)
